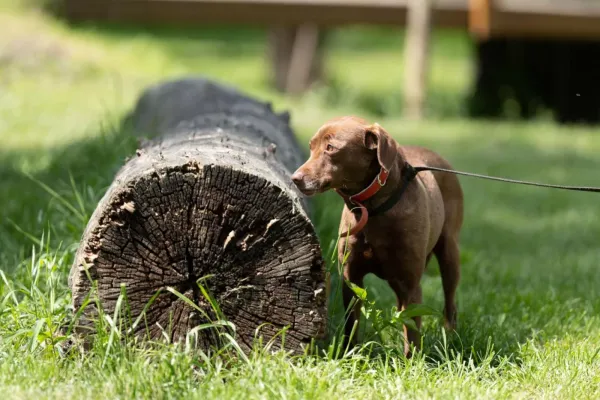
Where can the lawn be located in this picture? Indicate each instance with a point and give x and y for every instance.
(529, 297)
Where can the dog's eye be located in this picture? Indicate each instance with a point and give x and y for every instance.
(329, 148)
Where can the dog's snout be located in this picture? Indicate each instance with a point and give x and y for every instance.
(298, 177)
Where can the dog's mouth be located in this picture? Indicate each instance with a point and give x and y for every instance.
(308, 192)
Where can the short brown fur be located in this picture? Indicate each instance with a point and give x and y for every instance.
(346, 155)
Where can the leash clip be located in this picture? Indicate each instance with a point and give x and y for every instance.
(382, 184)
(385, 173)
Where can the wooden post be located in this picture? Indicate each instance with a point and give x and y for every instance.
(281, 42)
(418, 31)
(481, 13)
(296, 57)
(302, 58)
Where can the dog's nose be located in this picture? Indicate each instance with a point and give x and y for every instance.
(298, 178)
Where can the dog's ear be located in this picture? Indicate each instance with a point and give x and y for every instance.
(377, 138)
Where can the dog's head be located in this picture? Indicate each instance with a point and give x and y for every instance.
(346, 153)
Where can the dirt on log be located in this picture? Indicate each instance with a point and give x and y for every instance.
(208, 195)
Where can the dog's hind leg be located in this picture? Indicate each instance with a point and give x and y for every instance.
(408, 293)
(448, 256)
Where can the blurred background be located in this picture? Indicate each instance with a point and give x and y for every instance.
(527, 56)
(505, 87)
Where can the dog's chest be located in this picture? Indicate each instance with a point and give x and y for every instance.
(383, 244)
(414, 226)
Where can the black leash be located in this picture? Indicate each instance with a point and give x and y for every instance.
(411, 172)
(495, 178)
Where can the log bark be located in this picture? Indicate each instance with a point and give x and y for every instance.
(207, 195)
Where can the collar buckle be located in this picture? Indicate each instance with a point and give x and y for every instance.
(382, 184)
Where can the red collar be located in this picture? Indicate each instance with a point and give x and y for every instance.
(363, 196)
(372, 189)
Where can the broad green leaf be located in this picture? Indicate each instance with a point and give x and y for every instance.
(410, 323)
(358, 291)
(418, 310)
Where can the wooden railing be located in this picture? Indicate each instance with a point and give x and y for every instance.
(449, 13)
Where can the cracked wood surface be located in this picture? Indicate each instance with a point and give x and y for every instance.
(207, 196)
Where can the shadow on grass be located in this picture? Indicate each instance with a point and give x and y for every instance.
(78, 173)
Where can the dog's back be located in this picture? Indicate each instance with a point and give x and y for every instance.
(448, 183)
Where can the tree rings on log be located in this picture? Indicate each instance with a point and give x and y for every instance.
(209, 200)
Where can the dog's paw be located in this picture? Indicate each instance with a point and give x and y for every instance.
(450, 320)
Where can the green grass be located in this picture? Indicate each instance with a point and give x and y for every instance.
(529, 298)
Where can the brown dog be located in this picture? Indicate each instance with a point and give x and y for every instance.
(348, 155)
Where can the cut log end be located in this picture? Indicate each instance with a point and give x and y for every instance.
(208, 200)
(169, 228)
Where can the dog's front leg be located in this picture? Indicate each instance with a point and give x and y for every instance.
(355, 267)
(352, 317)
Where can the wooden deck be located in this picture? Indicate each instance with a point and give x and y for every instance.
(556, 19)
(512, 18)
(447, 13)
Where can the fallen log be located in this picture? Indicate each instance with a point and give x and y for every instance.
(208, 195)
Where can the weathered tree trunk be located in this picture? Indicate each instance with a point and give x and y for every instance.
(209, 195)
